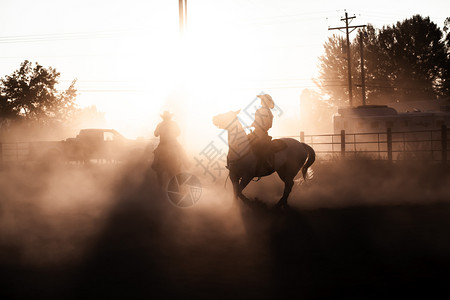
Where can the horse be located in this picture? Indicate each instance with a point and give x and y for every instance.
(169, 163)
(295, 157)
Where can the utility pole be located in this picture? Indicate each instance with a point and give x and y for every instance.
(363, 80)
(182, 15)
(347, 27)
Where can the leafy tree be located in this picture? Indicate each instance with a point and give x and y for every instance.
(379, 79)
(403, 62)
(333, 72)
(418, 57)
(30, 95)
(6, 111)
(446, 71)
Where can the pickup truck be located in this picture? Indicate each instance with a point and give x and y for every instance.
(101, 145)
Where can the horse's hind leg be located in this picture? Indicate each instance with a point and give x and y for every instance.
(288, 184)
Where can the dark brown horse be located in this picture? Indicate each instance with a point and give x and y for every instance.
(169, 164)
(241, 160)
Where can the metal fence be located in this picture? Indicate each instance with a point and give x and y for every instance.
(14, 152)
(425, 145)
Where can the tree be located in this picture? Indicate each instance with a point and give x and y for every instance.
(446, 71)
(418, 57)
(6, 111)
(403, 62)
(30, 95)
(333, 74)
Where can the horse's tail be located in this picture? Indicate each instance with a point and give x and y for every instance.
(310, 159)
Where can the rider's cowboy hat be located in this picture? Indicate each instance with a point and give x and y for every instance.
(166, 115)
(267, 99)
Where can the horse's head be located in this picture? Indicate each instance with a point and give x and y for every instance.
(224, 120)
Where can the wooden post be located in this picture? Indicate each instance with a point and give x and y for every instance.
(302, 136)
(389, 143)
(343, 144)
(1, 153)
(444, 143)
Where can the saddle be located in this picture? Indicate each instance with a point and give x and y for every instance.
(273, 146)
(265, 149)
(277, 145)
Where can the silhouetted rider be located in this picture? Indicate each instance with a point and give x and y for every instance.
(262, 124)
(168, 131)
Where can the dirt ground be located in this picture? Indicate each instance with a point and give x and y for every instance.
(361, 229)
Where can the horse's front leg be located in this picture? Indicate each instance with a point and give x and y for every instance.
(242, 184)
(239, 184)
(235, 182)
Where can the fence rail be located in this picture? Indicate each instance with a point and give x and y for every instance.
(14, 152)
(426, 145)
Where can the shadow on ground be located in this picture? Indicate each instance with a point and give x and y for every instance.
(147, 248)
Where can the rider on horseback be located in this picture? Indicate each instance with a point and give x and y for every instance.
(168, 131)
(260, 138)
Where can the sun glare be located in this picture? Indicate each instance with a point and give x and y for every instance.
(201, 74)
(207, 70)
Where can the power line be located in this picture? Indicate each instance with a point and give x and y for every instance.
(66, 36)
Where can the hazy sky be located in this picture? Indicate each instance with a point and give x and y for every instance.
(130, 62)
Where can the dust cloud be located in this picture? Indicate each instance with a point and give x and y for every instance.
(355, 229)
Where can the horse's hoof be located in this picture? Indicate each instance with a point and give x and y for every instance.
(280, 206)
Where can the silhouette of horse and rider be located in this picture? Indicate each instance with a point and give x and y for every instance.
(257, 155)
(249, 156)
(169, 156)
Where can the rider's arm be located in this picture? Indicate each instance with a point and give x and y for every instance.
(263, 119)
(258, 119)
(255, 122)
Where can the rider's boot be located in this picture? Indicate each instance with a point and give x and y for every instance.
(264, 161)
(262, 165)
(259, 166)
